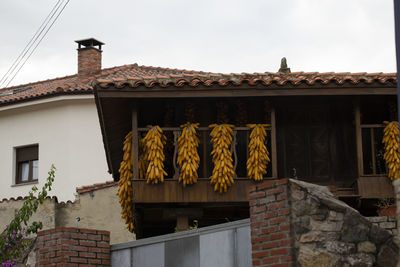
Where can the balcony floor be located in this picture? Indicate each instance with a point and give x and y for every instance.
(170, 191)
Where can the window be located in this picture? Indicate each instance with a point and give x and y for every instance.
(27, 164)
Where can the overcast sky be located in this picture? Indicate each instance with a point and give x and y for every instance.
(208, 35)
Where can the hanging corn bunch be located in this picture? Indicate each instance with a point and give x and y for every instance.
(154, 146)
(259, 155)
(391, 141)
(125, 191)
(188, 157)
(142, 159)
(222, 174)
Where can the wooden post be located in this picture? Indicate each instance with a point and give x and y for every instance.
(273, 145)
(135, 143)
(357, 119)
(182, 223)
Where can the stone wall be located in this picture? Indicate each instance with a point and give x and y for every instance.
(323, 231)
(386, 222)
(97, 209)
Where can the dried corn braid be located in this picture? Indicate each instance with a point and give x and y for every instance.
(222, 175)
(154, 142)
(259, 155)
(125, 191)
(188, 157)
(391, 141)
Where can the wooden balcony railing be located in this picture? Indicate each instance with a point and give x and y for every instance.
(239, 149)
(373, 162)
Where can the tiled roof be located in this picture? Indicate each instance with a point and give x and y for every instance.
(26, 197)
(134, 76)
(75, 84)
(79, 190)
(93, 187)
(251, 79)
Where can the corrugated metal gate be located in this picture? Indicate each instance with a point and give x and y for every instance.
(226, 245)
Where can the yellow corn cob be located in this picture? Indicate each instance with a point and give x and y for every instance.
(259, 155)
(125, 190)
(154, 147)
(222, 175)
(188, 157)
(391, 141)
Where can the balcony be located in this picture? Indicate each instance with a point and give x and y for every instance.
(171, 191)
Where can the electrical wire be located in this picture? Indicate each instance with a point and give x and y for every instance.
(29, 45)
(37, 44)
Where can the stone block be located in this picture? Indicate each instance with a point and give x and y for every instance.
(340, 247)
(360, 260)
(301, 225)
(355, 234)
(388, 256)
(327, 226)
(310, 257)
(366, 247)
(335, 216)
(297, 194)
(387, 225)
(313, 236)
(377, 219)
(378, 235)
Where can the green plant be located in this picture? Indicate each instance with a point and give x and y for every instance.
(384, 203)
(195, 225)
(11, 239)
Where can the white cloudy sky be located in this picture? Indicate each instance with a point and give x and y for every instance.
(209, 35)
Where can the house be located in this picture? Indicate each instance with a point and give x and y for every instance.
(324, 128)
(55, 122)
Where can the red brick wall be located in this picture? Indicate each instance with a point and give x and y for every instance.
(73, 247)
(271, 236)
(89, 61)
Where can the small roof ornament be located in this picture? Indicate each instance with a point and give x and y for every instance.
(284, 68)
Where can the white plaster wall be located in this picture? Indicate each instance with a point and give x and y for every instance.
(69, 136)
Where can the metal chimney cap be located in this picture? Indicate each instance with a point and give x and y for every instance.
(90, 42)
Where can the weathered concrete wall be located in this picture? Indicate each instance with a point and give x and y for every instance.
(45, 212)
(97, 209)
(328, 232)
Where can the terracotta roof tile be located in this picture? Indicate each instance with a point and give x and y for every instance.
(20, 198)
(97, 186)
(281, 79)
(149, 76)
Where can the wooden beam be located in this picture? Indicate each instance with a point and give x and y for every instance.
(171, 191)
(373, 151)
(357, 119)
(239, 92)
(273, 145)
(135, 142)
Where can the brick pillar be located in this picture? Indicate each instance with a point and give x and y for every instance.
(89, 61)
(73, 247)
(271, 237)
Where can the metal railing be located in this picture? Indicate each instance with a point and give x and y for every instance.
(227, 244)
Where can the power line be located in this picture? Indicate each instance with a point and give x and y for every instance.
(29, 45)
(37, 44)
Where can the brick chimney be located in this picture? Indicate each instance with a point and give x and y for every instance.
(89, 56)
